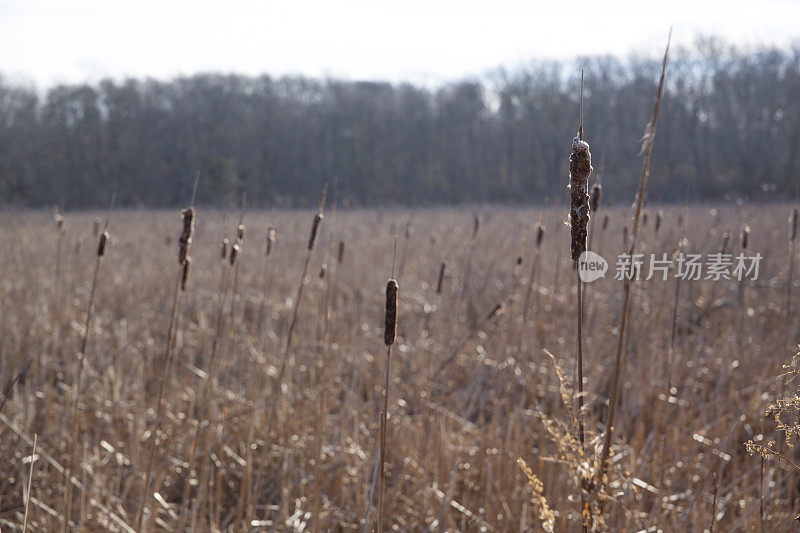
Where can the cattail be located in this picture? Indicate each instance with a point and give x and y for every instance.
(476, 226)
(644, 219)
(224, 248)
(96, 228)
(793, 225)
(441, 278)
(745, 237)
(580, 167)
(539, 235)
(597, 192)
(240, 232)
(390, 324)
(315, 230)
(323, 270)
(340, 255)
(185, 242)
(519, 260)
(270, 239)
(101, 247)
(605, 222)
(187, 264)
(625, 236)
(59, 224)
(659, 216)
(234, 253)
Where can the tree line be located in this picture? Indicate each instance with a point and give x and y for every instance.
(729, 128)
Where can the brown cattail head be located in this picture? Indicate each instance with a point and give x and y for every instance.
(185, 242)
(270, 239)
(580, 167)
(597, 192)
(745, 237)
(605, 222)
(340, 255)
(101, 247)
(96, 228)
(234, 253)
(659, 217)
(441, 278)
(323, 271)
(225, 244)
(315, 230)
(390, 323)
(187, 265)
(625, 236)
(539, 235)
(476, 226)
(793, 224)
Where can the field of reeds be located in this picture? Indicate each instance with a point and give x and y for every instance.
(259, 431)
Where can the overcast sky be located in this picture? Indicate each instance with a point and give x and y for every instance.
(52, 41)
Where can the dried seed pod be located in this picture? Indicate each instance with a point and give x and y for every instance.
(225, 244)
(390, 322)
(793, 224)
(270, 239)
(340, 255)
(187, 265)
(580, 167)
(185, 242)
(315, 230)
(745, 237)
(597, 193)
(441, 278)
(101, 247)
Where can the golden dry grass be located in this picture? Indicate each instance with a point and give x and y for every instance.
(454, 439)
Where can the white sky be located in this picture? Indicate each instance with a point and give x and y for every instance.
(52, 41)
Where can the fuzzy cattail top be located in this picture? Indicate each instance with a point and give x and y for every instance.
(390, 323)
(185, 242)
(101, 246)
(315, 230)
(580, 167)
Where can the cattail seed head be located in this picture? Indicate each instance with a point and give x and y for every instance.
(659, 217)
(745, 237)
(234, 253)
(340, 255)
(315, 230)
(441, 278)
(270, 239)
(644, 219)
(605, 222)
(625, 236)
(225, 244)
(187, 265)
(597, 193)
(59, 224)
(390, 323)
(101, 247)
(240, 232)
(96, 228)
(580, 167)
(539, 235)
(476, 226)
(323, 271)
(185, 242)
(793, 225)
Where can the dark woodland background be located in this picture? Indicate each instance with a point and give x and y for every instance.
(729, 128)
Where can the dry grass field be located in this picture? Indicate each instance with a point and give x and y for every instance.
(473, 388)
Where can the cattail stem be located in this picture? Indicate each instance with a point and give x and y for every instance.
(648, 149)
(382, 460)
(30, 482)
